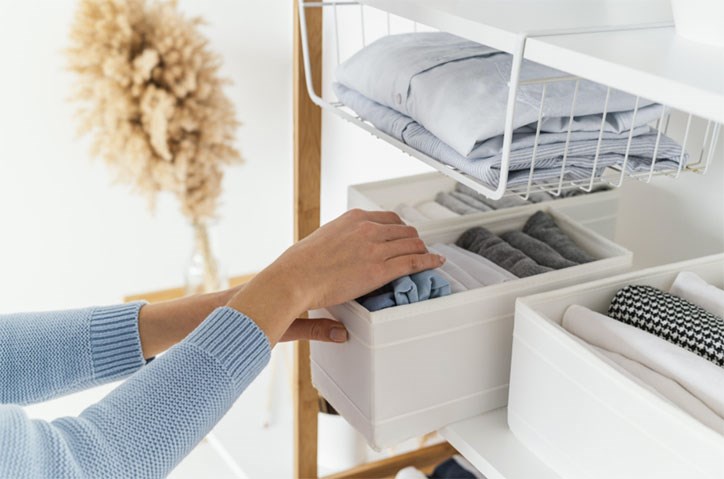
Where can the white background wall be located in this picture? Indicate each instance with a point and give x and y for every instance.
(70, 236)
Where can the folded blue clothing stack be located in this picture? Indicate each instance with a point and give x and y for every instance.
(446, 97)
(406, 290)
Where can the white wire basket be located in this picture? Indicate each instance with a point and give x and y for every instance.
(374, 23)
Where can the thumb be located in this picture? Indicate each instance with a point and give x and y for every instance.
(317, 329)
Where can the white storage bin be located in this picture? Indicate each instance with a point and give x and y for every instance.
(412, 369)
(700, 20)
(597, 211)
(584, 417)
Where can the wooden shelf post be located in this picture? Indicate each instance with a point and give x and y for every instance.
(307, 184)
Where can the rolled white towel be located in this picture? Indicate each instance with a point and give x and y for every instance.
(692, 287)
(436, 211)
(455, 285)
(668, 389)
(479, 267)
(410, 214)
(702, 378)
(410, 473)
(455, 271)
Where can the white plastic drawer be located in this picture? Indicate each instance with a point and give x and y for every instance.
(597, 211)
(584, 417)
(412, 369)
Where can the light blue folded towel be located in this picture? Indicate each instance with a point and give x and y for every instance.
(407, 290)
(430, 284)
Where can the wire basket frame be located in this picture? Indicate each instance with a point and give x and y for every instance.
(612, 176)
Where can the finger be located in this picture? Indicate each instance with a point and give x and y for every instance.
(413, 263)
(318, 329)
(395, 232)
(403, 247)
(384, 217)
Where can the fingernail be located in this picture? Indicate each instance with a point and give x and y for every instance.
(338, 335)
(442, 259)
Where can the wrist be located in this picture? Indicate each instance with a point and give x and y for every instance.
(273, 300)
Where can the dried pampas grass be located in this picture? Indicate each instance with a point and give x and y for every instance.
(152, 99)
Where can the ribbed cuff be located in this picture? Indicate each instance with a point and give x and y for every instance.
(236, 342)
(115, 342)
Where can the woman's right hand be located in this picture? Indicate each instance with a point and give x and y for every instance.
(357, 253)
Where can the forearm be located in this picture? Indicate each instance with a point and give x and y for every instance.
(149, 423)
(48, 354)
(161, 325)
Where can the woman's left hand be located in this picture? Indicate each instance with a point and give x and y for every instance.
(316, 329)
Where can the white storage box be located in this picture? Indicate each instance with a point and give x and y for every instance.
(412, 369)
(584, 417)
(700, 20)
(597, 211)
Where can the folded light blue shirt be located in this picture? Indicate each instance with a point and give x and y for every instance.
(458, 90)
(485, 159)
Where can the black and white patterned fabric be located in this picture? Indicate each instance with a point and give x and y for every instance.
(671, 318)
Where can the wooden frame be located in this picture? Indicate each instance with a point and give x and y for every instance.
(307, 185)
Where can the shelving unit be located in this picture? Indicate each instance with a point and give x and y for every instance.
(489, 445)
(650, 62)
(629, 45)
(500, 24)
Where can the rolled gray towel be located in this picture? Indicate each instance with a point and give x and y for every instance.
(454, 204)
(470, 201)
(542, 226)
(577, 191)
(481, 241)
(504, 202)
(537, 250)
(540, 197)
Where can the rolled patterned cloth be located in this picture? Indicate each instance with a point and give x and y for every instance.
(671, 318)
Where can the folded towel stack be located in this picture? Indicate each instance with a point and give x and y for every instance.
(447, 97)
(541, 247)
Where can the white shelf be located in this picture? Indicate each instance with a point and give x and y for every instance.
(487, 442)
(499, 23)
(653, 62)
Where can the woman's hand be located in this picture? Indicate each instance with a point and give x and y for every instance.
(346, 258)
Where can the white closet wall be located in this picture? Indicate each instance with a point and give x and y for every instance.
(672, 220)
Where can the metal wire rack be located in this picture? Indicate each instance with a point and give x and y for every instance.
(700, 154)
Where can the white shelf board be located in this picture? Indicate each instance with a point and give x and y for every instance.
(499, 23)
(653, 62)
(488, 443)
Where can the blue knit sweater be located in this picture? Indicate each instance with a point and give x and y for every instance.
(147, 424)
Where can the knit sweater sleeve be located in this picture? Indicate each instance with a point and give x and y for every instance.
(146, 425)
(45, 355)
